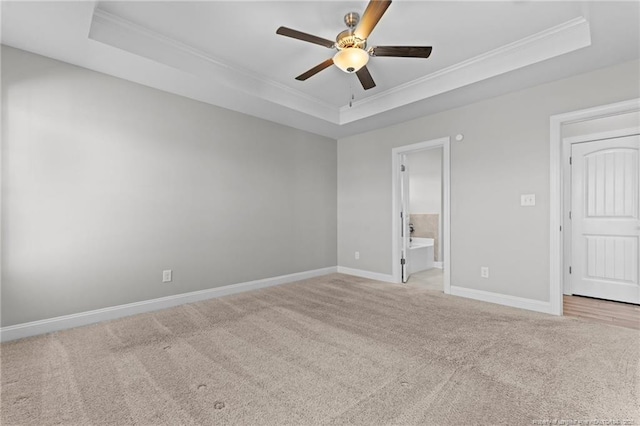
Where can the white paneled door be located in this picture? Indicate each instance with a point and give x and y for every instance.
(605, 227)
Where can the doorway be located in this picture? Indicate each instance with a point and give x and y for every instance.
(421, 236)
(594, 124)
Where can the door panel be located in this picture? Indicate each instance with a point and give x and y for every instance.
(611, 258)
(611, 183)
(605, 227)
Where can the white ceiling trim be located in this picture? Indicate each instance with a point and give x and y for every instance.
(555, 41)
(121, 33)
(118, 32)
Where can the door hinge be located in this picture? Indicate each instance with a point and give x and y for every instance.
(401, 215)
(403, 168)
(402, 261)
(560, 228)
(570, 161)
(569, 269)
(569, 215)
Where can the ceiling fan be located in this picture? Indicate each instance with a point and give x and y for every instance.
(353, 55)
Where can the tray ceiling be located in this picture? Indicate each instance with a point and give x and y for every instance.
(227, 53)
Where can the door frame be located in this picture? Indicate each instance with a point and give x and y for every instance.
(560, 152)
(396, 206)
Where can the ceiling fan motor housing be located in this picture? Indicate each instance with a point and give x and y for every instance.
(347, 39)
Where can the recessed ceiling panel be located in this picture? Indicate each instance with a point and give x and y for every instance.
(227, 53)
(243, 34)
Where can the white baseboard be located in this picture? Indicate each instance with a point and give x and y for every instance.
(34, 328)
(366, 274)
(438, 265)
(502, 299)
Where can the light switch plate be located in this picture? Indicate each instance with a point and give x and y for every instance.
(166, 276)
(484, 271)
(528, 200)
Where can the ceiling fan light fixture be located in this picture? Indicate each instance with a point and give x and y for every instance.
(351, 59)
(352, 42)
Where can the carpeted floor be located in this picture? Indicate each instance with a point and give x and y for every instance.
(329, 350)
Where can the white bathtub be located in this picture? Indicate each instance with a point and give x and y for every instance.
(420, 256)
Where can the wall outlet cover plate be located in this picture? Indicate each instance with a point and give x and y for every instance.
(528, 200)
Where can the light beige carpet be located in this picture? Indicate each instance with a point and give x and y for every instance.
(329, 350)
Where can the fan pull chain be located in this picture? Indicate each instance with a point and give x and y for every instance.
(352, 96)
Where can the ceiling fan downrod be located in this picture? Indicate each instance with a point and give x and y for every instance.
(351, 19)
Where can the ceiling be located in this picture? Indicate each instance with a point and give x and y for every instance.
(227, 53)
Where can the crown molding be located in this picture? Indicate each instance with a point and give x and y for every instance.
(555, 41)
(123, 34)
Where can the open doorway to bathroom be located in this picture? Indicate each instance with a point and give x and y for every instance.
(424, 252)
(420, 226)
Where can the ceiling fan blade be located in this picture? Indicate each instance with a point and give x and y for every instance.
(402, 51)
(288, 32)
(315, 70)
(372, 14)
(365, 78)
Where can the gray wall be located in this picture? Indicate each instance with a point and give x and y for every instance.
(505, 153)
(425, 181)
(105, 183)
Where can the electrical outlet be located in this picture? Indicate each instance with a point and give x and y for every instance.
(484, 271)
(357, 255)
(166, 276)
(528, 200)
